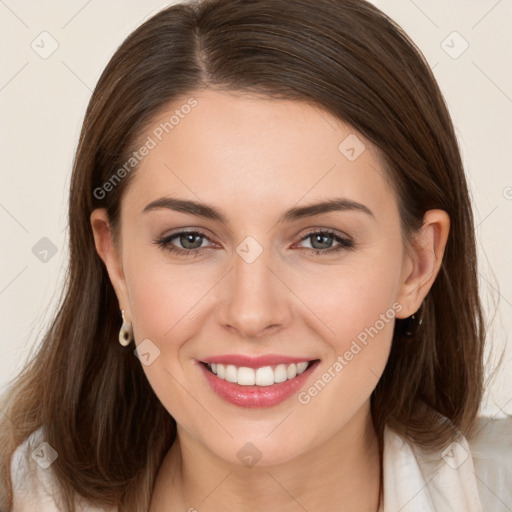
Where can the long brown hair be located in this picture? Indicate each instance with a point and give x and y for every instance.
(89, 394)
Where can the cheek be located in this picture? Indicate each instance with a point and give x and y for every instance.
(357, 308)
(163, 302)
(349, 300)
(162, 294)
(360, 315)
(366, 309)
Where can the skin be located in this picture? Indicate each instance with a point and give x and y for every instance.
(252, 158)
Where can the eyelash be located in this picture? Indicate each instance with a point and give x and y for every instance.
(344, 243)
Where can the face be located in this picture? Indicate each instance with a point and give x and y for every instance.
(236, 282)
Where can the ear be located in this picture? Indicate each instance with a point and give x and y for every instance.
(423, 261)
(110, 254)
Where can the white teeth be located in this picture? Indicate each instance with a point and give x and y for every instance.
(246, 376)
(291, 371)
(264, 376)
(231, 373)
(280, 373)
(301, 367)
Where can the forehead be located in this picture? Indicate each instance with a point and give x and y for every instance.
(257, 154)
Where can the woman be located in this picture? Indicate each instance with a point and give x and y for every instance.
(272, 300)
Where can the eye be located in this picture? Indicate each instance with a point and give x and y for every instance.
(321, 238)
(192, 242)
(188, 240)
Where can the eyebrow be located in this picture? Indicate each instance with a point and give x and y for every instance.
(295, 213)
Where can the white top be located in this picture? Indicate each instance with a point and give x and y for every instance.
(461, 478)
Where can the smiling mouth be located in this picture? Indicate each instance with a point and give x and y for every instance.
(263, 376)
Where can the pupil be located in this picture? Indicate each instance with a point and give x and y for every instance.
(190, 238)
(320, 237)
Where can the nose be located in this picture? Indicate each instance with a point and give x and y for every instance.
(256, 301)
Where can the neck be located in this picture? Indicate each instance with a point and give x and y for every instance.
(343, 473)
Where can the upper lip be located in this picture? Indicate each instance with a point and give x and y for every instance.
(255, 362)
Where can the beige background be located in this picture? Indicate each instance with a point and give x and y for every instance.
(43, 100)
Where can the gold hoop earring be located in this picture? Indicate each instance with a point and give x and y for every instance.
(126, 332)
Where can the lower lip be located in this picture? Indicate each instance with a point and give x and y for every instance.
(256, 396)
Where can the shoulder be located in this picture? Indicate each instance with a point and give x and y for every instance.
(471, 474)
(35, 487)
(491, 450)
